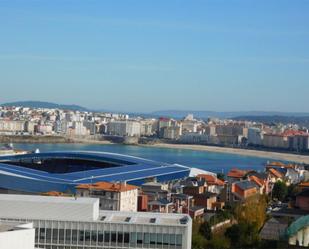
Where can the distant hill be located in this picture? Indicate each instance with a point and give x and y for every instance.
(303, 121)
(42, 104)
(207, 114)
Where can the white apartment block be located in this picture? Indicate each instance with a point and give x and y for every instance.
(113, 196)
(12, 126)
(124, 128)
(77, 223)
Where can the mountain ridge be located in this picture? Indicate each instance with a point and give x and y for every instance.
(44, 104)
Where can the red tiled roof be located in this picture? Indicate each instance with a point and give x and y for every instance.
(211, 180)
(279, 164)
(304, 184)
(237, 173)
(108, 186)
(257, 180)
(54, 193)
(276, 173)
(294, 133)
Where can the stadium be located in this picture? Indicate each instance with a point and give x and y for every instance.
(63, 171)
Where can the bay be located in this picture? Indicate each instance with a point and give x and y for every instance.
(211, 161)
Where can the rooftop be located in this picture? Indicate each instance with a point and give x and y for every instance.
(145, 218)
(237, 173)
(304, 185)
(82, 209)
(246, 185)
(211, 180)
(107, 186)
(276, 173)
(256, 180)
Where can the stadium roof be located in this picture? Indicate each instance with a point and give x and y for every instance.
(68, 169)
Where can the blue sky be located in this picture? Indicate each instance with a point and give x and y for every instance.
(129, 55)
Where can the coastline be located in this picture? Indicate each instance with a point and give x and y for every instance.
(235, 151)
(225, 150)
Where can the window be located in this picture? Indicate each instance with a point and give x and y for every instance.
(139, 238)
(113, 237)
(172, 239)
(146, 238)
(153, 238)
(179, 240)
(126, 238)
(133, 238)
(100, 237)
(166, 239)
(106, 237)
(159, 238)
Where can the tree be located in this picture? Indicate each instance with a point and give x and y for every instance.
(205, 230)
(243, 235)
(218, 242)
(280, 191)
(253, 211)
(198, 241)
(221, 176)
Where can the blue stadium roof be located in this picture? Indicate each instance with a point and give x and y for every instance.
(62, 171)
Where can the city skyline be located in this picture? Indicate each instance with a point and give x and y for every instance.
(138, 56)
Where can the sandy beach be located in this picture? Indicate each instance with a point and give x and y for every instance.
(243, 152)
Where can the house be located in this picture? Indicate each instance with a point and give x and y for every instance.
(274, 229)
(302, 200)
(275, 175)
(298, 232)
(213, 184)
(142, 203)
(206, 200)
(193, 190)
(161, 206)
(234, 175)
(197, 212)
(182, 202)
(113, 196)
(303, 185)
(155, 190)
(243, 189)
(263, 180)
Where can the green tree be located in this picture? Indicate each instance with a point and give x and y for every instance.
(218, 242)
(253, 210)
(205, 230)
(243, 235)
(221, 176)
(198, 241)
(280, 191)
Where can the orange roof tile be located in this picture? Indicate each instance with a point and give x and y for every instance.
(257, 180)
(237, 173)
(211, 180)
(276, 173)
(108, 186)
(54, 193)
(280, 164)
(304, 184)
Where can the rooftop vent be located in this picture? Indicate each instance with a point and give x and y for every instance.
(127, 219)
(184, 220)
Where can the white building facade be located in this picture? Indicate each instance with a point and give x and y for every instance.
(65, 222)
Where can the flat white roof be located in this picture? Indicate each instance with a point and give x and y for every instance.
(47, 199)
(80, 209)
(48, 207)
(145, 218)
